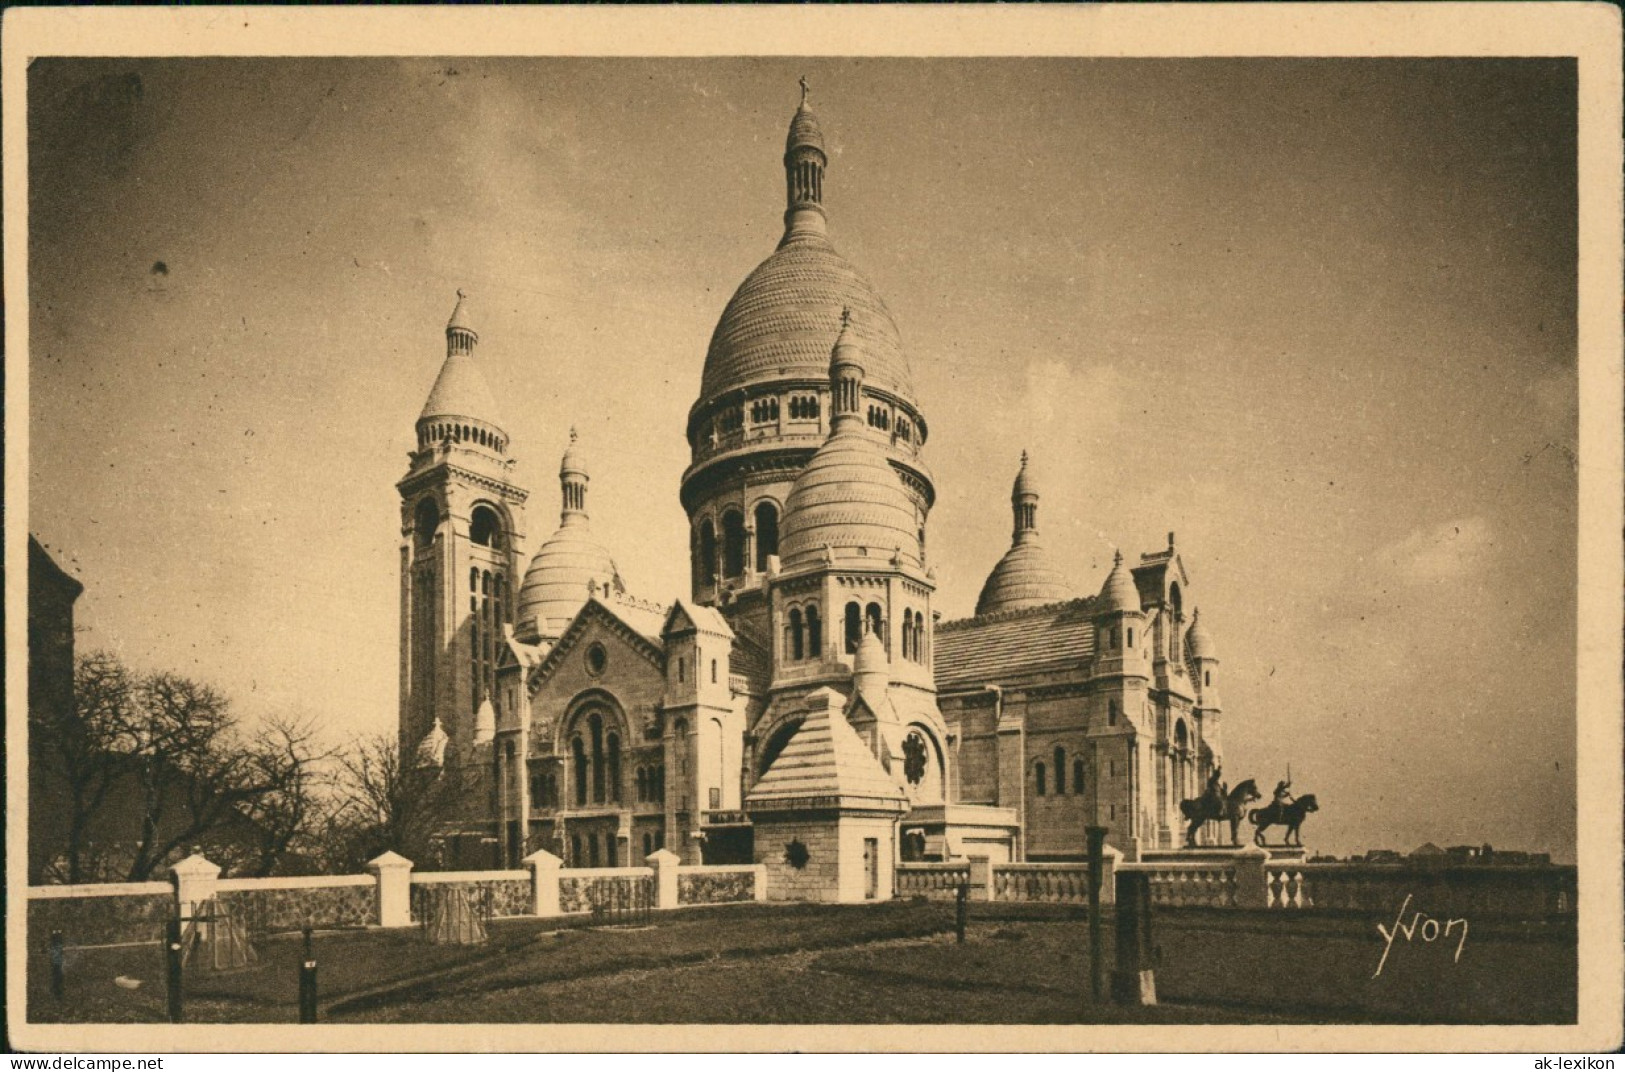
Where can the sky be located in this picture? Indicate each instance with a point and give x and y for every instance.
(1317, 317)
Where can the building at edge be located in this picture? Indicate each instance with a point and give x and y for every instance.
(802, 707)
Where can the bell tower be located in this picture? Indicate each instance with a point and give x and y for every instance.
(462, 521)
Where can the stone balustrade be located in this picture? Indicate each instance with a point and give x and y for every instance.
(1053, 883)
(1475, 891)
(938, 881)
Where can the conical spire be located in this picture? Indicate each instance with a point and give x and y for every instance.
(804, 163)
(460, 406)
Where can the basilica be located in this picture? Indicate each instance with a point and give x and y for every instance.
(802, 706)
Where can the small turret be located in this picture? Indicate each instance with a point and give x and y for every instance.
(1119, 625)
(804, 163)
(1204, 662)
(485, 722)
(871, 669)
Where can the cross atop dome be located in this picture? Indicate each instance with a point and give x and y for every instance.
(803, 91)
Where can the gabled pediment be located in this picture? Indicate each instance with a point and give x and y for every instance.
(593, 619)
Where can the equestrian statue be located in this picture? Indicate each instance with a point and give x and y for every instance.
(1218, 801)
(1285, 811)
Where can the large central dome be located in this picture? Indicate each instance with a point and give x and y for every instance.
(780, 321)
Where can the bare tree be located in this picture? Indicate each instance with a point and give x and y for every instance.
(78, 750)
(285, 764)
(387, 804)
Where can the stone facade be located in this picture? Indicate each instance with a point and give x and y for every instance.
(599, 728)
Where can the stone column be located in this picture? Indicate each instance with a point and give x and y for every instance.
(393, 873)
(544, 882)
(665, 863)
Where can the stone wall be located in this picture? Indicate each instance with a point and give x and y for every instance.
(508, 893)
(269, 905)
(580, 889)
(100, 915)
(717, 885)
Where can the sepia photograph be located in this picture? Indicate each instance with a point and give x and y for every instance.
(807, 535)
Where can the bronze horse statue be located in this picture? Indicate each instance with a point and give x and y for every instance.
(1290, 816)
(1216, 803)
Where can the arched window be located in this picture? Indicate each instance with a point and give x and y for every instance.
(1111, 712)
(614, 765)
(424, 524)
(874, 621)
(795, 636)
(592, 850)
(648, 844)
(1131, 637)
(767, 531)
(713, 671)
(707, 565)
(733, 544)
(1038, 777)
(815, 633)
(1060, 771)
(611, 848)
(575, 850)
(854, 627)
(660, 783)
(1181, 736)
(1077, 776)
(682, 669)
(643, 785)
(908, 634)
(578, 752)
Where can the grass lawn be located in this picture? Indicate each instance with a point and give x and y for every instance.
(889, 963)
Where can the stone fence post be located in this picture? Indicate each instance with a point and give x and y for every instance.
(1110, 860)
(665, 862)
(544, 882)
(761, 875)
(196, 880)
(394, 876)
(981, 878)
(1252, 884)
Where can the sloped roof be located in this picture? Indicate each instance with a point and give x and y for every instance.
(705, 619)
(1010, 644)
(825, 759)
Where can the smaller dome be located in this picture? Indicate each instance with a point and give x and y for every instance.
(1200, 640)
(459, 317)
(804, 126)
(852, 501)
(1023, 578)
(1025, 485)
(574, 460)
(557, 583)
(1118, 594)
